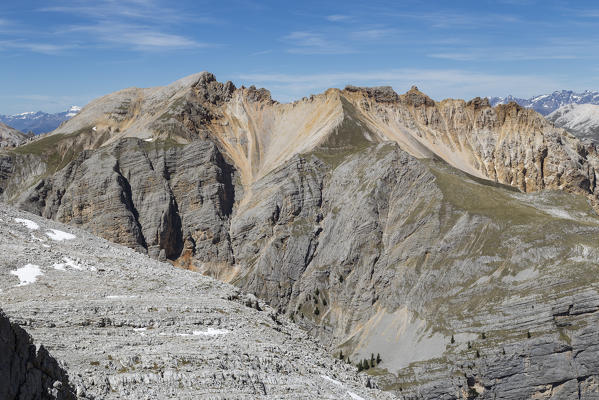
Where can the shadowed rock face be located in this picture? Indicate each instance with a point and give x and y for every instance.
(424, 231)
(28, 371)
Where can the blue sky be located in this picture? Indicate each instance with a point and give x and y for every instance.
(57, 53)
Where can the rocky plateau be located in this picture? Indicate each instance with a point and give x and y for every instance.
(123, 326)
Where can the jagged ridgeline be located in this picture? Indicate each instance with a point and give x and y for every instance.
(456, 240)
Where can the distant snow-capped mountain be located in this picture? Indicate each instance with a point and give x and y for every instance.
(38, 122)
(582, 120)
(547, 103)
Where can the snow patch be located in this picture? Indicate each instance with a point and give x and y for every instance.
(140, 329)
(27, 274)
(94, 129)
(28, 223)
(57, 235)
(149, 140)
(67, 263)
(211, 332)
(334, 381)
(121, 297)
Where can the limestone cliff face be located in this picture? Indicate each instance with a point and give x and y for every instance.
(350, 211)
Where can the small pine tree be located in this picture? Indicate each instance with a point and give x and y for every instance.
(452, 340)
(316, 311)
(316, 300)
(371, 360)
(340, 278)
(341, 355)
(528, 334)
(257, 306)
(469, 346)
(317, 292)
(324, 302)
(378, 358)
(483, 336)
(477, 354)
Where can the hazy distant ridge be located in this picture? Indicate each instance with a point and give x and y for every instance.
(39, 122)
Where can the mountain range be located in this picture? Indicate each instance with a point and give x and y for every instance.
(547, 103)
(38, 122)
(456, 239)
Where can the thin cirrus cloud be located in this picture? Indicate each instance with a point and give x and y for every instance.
(301, 42)
(149, 10)
(550, 49)
(450, 20)
(373, 34)
(338, 17)
(42, 48)
(136, 37)
(139, 25)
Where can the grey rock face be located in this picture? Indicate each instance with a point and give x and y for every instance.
(10, 137)
(128, 327)
(27, 370)
(150, 197)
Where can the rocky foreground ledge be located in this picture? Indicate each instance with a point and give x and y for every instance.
(124, 326)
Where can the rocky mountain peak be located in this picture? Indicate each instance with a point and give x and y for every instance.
(207, 88)
(383, 94)
(478, 103)
(416, 98)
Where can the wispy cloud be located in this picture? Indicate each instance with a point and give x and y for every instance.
(140, 25)
(549, 49)
(314, 43)
(136, 37)
(337, 17)
(42, 48)
(261, 53)
(373, 34)
(464, 21)
(149, 10)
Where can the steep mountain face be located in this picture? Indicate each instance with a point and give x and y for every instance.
(547, 103)
(39, 122)
(453, 238)
(28, 371)
(10, 137)
(124, 326)
(582, 120)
